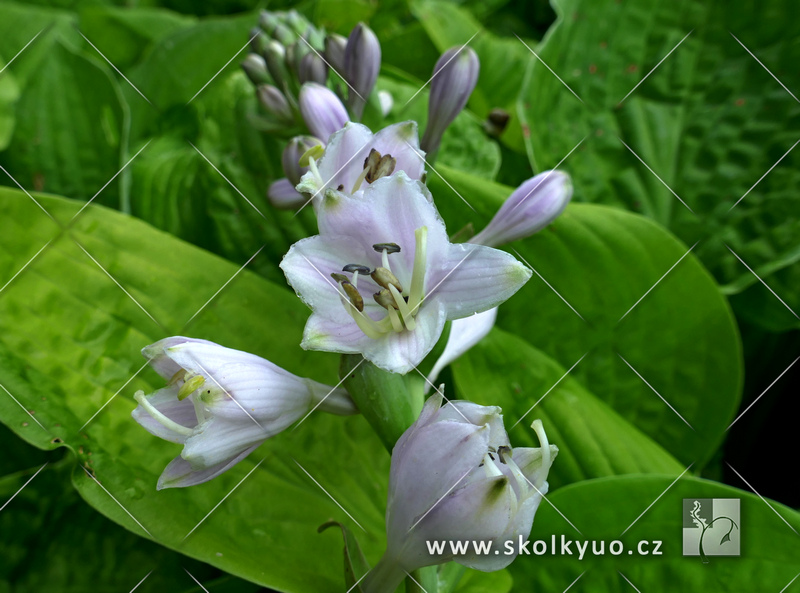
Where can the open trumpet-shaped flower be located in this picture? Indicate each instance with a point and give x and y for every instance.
(382, 276)
(221, 404)
(355, 157)
(455, 477)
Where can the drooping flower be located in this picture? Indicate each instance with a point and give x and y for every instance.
(382, 277)
(454, 78)
(535, 204)
(221, 404)
(455, 477)
(345, 164)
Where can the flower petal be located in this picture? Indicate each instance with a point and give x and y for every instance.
(464, 334)
(473, 278)
(220, 439)
(333, 335)
(342, 162)
(179, 473)
(160, 362)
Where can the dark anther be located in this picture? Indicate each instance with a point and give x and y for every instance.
(340, 188)
(353, 294)
(503, 450)
(339, 277)
(387, 247)
(356, 268)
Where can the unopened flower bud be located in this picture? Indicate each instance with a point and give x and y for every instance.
(454, 476)
(258, 40)
(297, 147)
(256, 69)
(221, 404)
(533, 205)
(268, 21)
(362, 63)
(454, 78)
(296, 22)
(313, 69)
(283, 196)
(334, 52)
(275, 103)
(322, 110)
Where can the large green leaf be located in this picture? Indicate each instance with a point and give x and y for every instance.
(69, 131)
(594, 440)
(710, 121)
(9, 93)
(70, 349)
(680, 337)
(618, 508)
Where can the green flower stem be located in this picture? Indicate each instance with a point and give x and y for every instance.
(423, 580)
(390, 402)
(384, 578)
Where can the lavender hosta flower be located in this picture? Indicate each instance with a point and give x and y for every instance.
(454, 476)
(454, 78)
(533, 205)
(283, 196)
(322, 110)
(346, 167)
(382, 277)
(220, 404)
(362, 63)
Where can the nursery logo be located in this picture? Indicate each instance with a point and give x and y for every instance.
(711, 527)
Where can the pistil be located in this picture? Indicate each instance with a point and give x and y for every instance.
(162, 419)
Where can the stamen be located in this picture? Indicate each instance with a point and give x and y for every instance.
(385, 300)
(405, 310)
(545, 445)
(397, 325)
(388, 247)
(384, 278)
(159, 417)
(191, 385)
(339, 277)
(356, 268)
(353, 294)
(417, 289)
(199, 411)
(177, 377)
(502, 451)
(491, 468)
(359, 180)
(312, 166)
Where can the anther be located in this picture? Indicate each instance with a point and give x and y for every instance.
(356, 268)
(352, 293)
(385, 299)
(339, 277)
(384, 278)
(191, 385)
(377, 166)
(387, 247)
(503, 451)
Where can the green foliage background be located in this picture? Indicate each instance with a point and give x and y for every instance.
(108, 104)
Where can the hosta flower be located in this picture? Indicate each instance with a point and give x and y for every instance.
(464, 334)
(221, 404)
(532, 206)
(455, 477)
(382, 277)
(362, 63)
(349, 164)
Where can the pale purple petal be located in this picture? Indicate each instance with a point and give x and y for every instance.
(474, 278)
(283, 196)
(342, 162)
(340, 334)
(179, 473)
(464, 334)
(223, 439)
(161, 363)
(402, 142)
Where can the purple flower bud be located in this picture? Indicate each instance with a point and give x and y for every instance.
(275, 103)
(335, 46)
(454, 78)
(533, 205)
(256, 69)
(362, 62)
(313, 69)
(290, 159)
(454, 476)
(283, 196)
(275, 56)
(322, 110)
